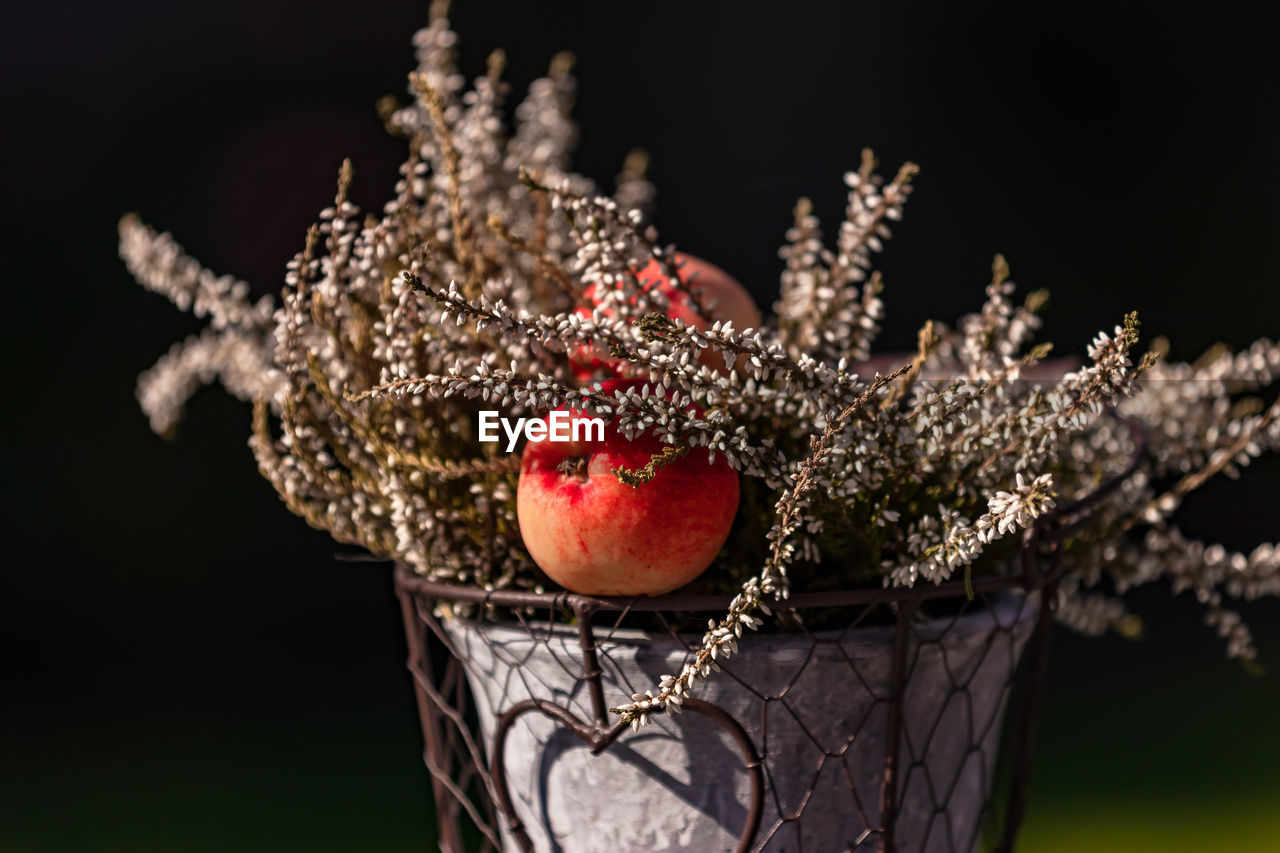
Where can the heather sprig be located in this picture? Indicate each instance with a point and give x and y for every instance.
(721, 640)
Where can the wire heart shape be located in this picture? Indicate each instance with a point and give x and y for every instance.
(598, 738)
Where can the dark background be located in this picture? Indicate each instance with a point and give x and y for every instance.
(186, 667)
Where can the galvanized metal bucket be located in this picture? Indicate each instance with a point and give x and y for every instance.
(816, 706)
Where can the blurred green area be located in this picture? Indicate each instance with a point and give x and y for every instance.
(341, 779)
(1240, 825)
(1158, 745)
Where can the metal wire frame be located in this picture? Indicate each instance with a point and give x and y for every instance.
(451, 741)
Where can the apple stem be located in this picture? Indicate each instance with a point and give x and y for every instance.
(573, 466)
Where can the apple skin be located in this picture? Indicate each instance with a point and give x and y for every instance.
(595, 535)
(727, 299)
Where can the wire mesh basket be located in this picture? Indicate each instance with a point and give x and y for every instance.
(882, 734)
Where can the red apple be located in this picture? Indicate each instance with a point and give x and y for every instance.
(719, 292)
(593, 534)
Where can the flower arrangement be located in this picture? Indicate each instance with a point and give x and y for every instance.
(498, 277)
